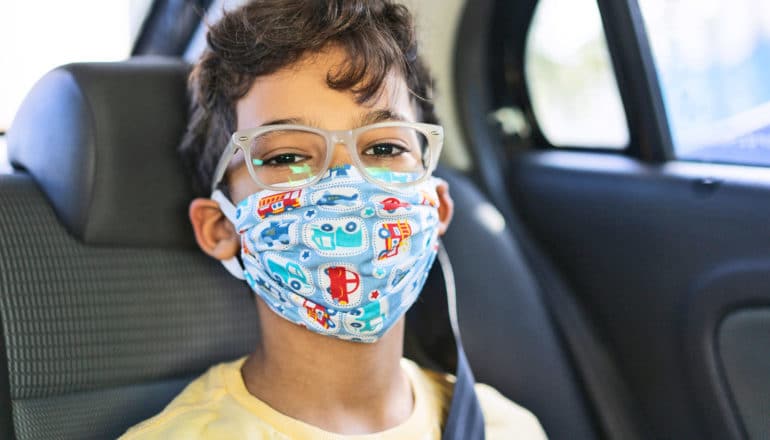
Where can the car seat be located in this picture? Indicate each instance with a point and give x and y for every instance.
(108, 308)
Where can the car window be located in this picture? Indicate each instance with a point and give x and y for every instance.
(570, 77)
(79, 30)
(712, 58)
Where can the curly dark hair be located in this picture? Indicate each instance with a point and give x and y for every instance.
(264, 36)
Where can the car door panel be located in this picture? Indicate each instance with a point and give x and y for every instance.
(660, 255)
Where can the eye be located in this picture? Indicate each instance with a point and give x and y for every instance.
(281, 159)
(384, 149)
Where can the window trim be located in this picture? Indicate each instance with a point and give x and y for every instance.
(156, 37)
(649, 133)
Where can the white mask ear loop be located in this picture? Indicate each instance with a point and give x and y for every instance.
(231, 264)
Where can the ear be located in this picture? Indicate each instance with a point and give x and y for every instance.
(214, 233)
(446, 206)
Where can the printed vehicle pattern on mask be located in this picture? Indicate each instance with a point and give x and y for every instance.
(342, 257)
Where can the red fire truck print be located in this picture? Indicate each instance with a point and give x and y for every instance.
(394, 235)
(342, 282)
(278, 203)
(318, 314)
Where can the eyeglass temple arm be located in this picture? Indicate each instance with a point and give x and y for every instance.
(231, 264)
(224, 161)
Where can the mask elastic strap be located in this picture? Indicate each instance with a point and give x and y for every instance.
(449, 284)
(228, 209)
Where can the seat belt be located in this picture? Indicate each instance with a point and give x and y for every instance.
(465, 420)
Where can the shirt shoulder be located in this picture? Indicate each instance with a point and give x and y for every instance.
(503, 418)
(203, 410)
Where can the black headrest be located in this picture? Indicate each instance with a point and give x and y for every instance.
(100, 140)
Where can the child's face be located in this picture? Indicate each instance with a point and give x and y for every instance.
(299, 95)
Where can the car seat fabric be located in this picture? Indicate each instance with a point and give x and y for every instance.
(100, 335)
(108, 309)
(100, 338)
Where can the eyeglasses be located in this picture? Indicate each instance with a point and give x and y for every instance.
(391, 154)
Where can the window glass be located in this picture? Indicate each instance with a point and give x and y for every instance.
(713, 63)
(39, 35)
(570, 78)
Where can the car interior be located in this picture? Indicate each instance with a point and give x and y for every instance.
(617, 293)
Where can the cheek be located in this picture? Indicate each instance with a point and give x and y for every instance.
(240, 184)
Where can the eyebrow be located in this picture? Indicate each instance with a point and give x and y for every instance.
(376, 116)
(289, 121)
(372, 117)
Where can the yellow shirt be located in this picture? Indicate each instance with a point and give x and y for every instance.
(217, 405)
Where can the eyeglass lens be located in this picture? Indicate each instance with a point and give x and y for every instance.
(293, 157)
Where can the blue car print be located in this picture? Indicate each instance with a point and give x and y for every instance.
(327, 238)
(290, 274)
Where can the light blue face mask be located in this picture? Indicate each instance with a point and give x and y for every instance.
(343, 257)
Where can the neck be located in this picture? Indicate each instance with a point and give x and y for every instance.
(338, 386)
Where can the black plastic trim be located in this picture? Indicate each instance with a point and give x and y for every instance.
(169, 26)
(649, 133)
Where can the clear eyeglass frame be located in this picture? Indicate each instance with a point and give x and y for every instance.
(240, 140)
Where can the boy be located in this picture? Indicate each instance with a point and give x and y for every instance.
(323, 202)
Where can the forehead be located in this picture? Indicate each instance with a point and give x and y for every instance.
(300, 91)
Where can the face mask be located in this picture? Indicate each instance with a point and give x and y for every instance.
(344, 257)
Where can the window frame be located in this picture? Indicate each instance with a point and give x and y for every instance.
(650, 134)
(156, 37)
(632, 63)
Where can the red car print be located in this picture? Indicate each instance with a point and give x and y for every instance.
(394, 235)
(318, 314)
(278, 203)
(342, 282)
(391, 204)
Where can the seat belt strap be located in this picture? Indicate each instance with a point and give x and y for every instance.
(465, 420)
